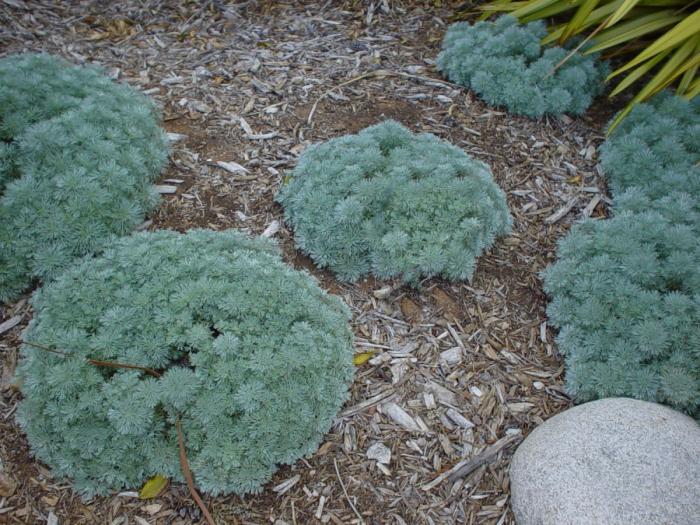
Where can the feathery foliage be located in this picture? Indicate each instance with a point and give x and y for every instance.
(254, 356)
(656, 148)
(662, 37)
(626, 291)
(393, 203)
(503, 62)
(78, 156)
(626, 295)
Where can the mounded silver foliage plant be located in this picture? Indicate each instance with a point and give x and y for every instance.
(254, 358)
(394, 204)
(626, 291)
(656, 149)
(503, 62)
(78, 157)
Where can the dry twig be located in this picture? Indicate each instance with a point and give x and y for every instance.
(466, 466)
(342, 485)
(185, 466)
(96, 362)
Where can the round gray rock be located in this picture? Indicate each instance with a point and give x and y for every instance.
(609, 462)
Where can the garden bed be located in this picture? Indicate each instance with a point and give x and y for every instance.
(237, 83)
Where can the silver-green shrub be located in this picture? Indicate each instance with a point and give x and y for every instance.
(503, 62)
(78, 157)
(626, 297)
(254, 356)
(626, 291)
(394, 204)
(656, 148)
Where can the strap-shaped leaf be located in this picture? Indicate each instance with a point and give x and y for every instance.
(577, 21)
(688, 66)
(690, 74)
(597, 16)
(660, 80)
(499, 6)
(625, 8)
(533, 7)
(693, 90)
(551, 11)
(638, 73)
(686, 28)
(634, 29)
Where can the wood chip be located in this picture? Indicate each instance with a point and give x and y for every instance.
(400, 416)
(464, 467)
(231, 167)
(10, 323)
(286, 485)
(176, 137)
(379, 453)
(255, 84)
(459, 419)
(271, 229)
(561, 212)
(451, 356)
(591, 206)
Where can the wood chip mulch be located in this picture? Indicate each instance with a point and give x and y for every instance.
(462, 371)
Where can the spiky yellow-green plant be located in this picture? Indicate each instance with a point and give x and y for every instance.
(663, 37)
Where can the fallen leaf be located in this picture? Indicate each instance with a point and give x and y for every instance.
(153, 487)
(410, 310)
(7, 486)
(448, 305)
(361, 358)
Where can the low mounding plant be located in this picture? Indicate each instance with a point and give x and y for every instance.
(626, 295)
(78, 156)
(393, 203)
(660, 38)
(626, 291)
(656, 148)
(252, 356)
(503, 62)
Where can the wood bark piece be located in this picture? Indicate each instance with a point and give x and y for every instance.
(464, 467)
(561, 212)
(400, 416)
(10, 323)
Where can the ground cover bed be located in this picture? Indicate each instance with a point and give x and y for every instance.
(244, 89)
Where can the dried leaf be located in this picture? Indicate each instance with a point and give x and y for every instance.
(410, 310)
(7, 486)
(361, 358)
(153, 487)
